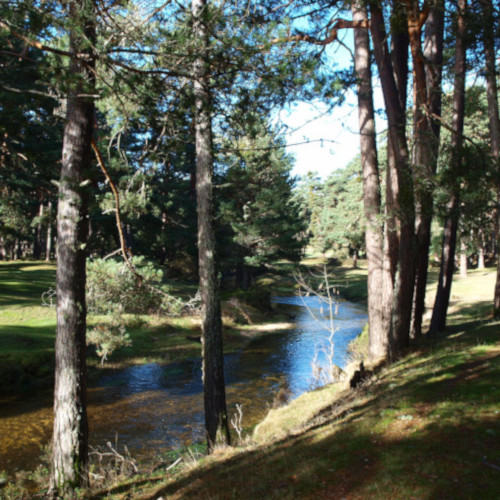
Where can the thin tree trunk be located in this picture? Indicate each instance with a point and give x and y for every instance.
(37, 250)
(48, 248)
(493, 114)
(216, 423)
(427, 155)
(480, 250)
(17, 250)
(391, 238)
(438, 320)
(378, 333)
(463, 259)
(70, 439)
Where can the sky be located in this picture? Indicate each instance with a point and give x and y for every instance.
(333, 136)
(334, 141)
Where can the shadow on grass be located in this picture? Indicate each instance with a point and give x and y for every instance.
(435, 462)
(481, 309)
(428, 429)
(23, 283)
(26, 358)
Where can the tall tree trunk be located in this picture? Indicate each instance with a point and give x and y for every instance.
(438, 320)
(216, 423)
(48, 248)
(378, 333)
(37, 249)
(70, 439)
(463, 258)
(493, 114)
(404, 280)
(427, 146)
(480, 250)
(391, 238)
(392, 230)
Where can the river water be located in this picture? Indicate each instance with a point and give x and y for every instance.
(156, 408)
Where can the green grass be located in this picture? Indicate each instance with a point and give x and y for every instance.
(425, 427)
(27, 329)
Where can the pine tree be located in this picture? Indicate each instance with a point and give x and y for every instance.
(216, 422)
(70, 438)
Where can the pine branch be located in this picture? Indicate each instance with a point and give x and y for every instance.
(125, 251)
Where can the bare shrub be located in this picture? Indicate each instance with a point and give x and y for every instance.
(324, 370)
(108, 465)
(236, 422)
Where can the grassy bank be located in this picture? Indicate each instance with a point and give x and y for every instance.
(27, 328)
(427, 426)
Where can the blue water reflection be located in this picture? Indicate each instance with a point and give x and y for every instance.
(160, 406)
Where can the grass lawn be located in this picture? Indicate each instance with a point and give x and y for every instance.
(26, 328)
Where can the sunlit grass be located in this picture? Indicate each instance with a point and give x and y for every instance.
(426, 426)
(27, 328)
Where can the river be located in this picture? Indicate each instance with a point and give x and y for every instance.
(155, 408)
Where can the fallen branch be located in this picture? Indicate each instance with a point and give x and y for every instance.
(491, 466)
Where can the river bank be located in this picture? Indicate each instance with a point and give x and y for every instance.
(258, 365)
(426, 426)
(27, 328)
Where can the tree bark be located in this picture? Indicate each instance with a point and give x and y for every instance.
(40, 230)
(494, 120)
(427, 146)
(216, 422)
(392, 230)
(378, 333)
(480, 250)
(17, 249)
(438, 320)
(404, 280)
(70, 438)
(48, 248)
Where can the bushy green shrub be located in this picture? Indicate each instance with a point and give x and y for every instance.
(112, 287)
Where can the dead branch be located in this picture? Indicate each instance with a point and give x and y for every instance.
(125, 251)
(123, 248)
(337, 25)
